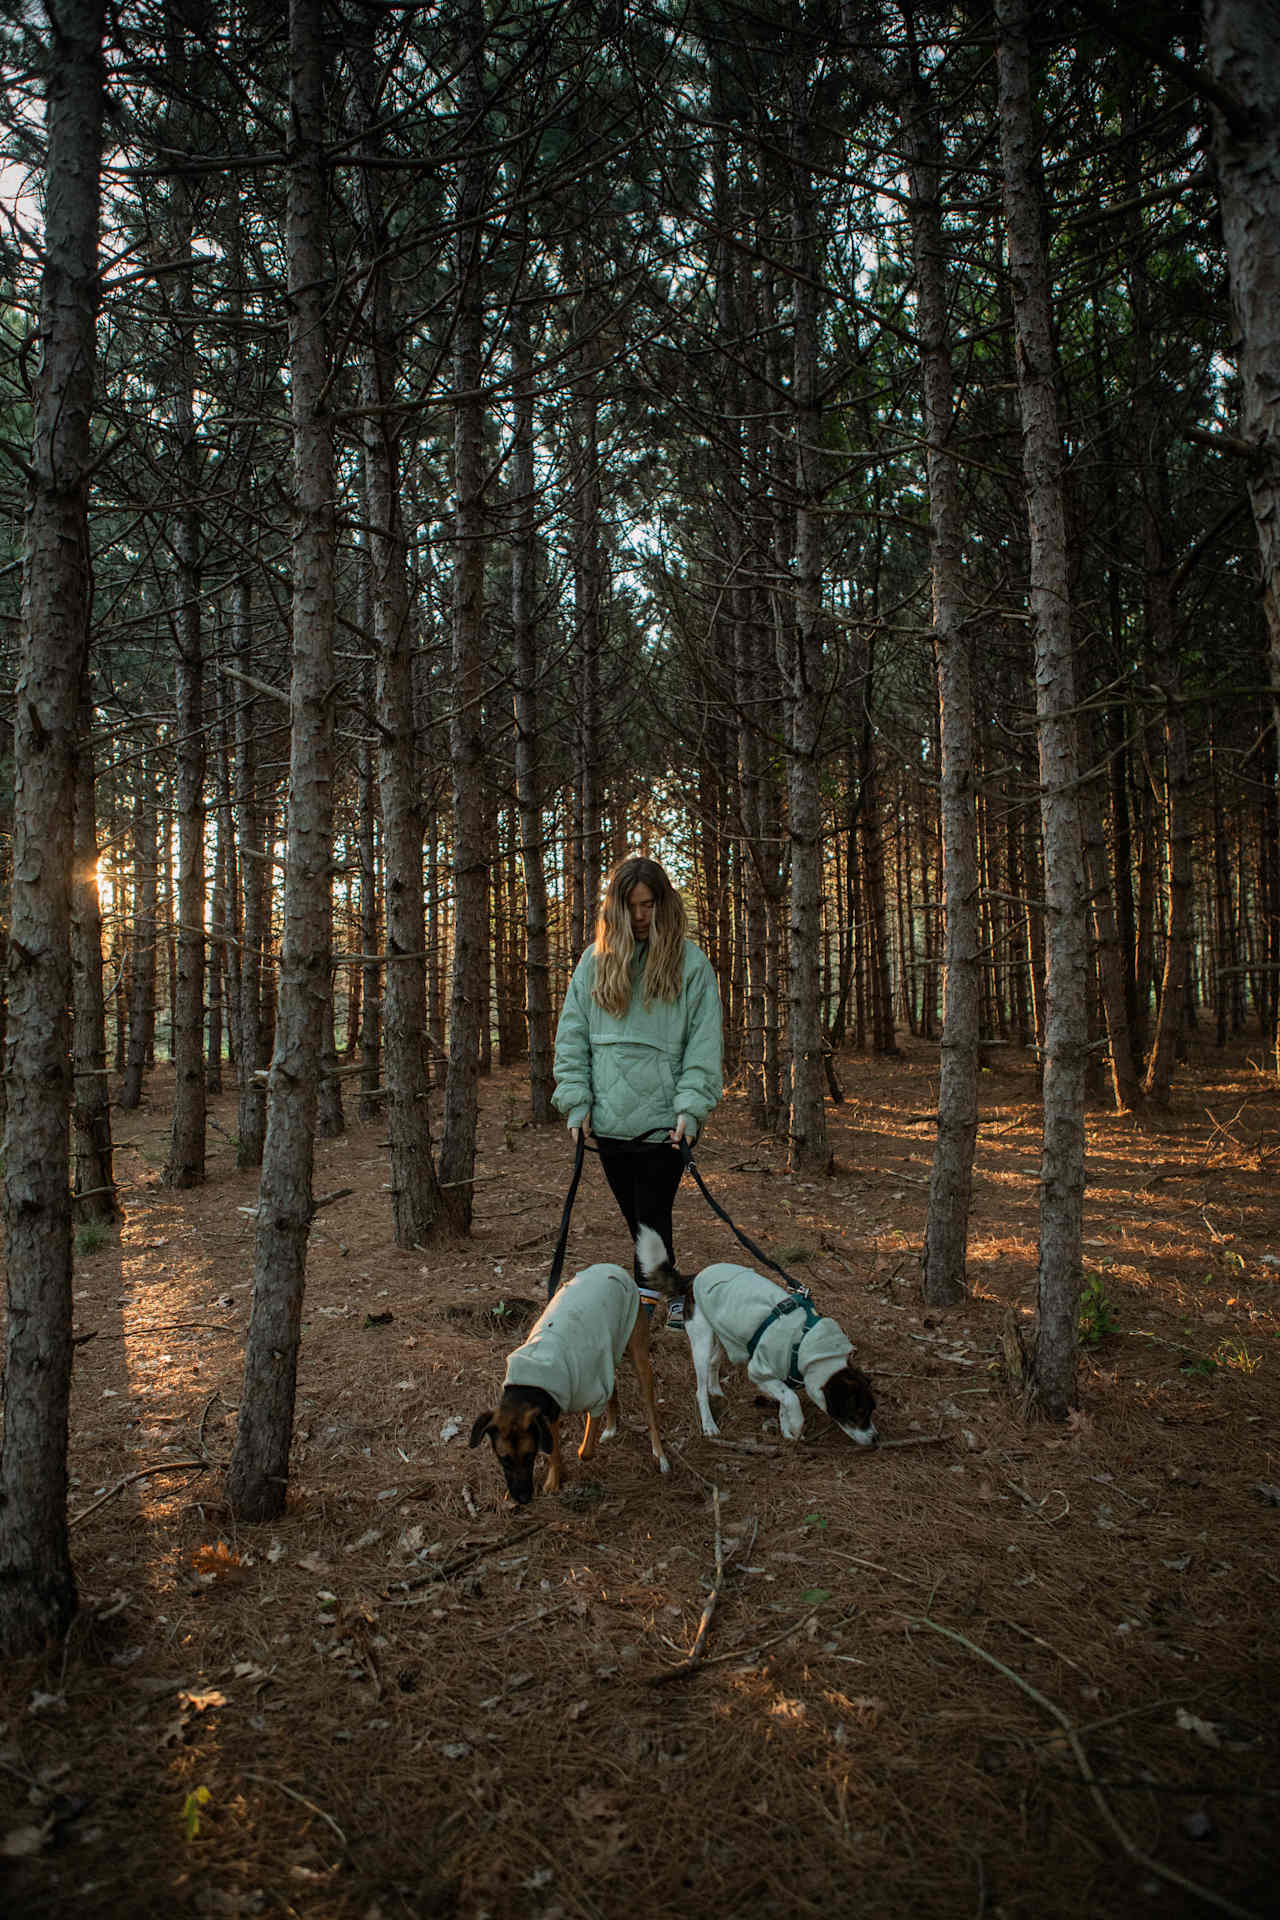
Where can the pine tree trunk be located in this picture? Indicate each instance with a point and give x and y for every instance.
(466, 746)
(186, 1162)
(951, 1177)
(144, 932)
(255, 882)
(415, 1191)
(1242, 40)
(801, 664)
(371, 1092)
(94, 1178)
(588, 594)
(1125, 1084)
(524, 639)
(37, 1585)
(1052, 1374)
(258, 1480)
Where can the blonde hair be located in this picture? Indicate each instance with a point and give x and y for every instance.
(615, 944)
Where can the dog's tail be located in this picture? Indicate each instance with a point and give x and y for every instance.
(657, 1269)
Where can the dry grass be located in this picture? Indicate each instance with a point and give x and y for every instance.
(409, 1698)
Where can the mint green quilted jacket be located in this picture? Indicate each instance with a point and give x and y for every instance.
(634, 1075)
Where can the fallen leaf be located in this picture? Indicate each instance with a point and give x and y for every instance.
(201, 1702)
(217, 1562)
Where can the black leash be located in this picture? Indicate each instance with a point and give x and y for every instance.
(794, 1286)
(686, 1154)
(637, 1145)
(557, 1259)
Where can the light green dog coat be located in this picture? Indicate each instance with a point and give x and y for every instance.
(576, 1342)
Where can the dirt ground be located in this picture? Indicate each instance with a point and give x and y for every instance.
(1006, 1670)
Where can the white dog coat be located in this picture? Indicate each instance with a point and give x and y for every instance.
(576, 1342)
(738, 1300)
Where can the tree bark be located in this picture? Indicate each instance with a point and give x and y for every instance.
(466, 745)
(186, 1162)
(94, 1176)
(801, 664)
(415, 1193)
(142, 954)
(258, 1480)
(255, 881)
(1242, 40)
(524, 555)
(37, 1584)
(951, 1177)
(1052, 1371)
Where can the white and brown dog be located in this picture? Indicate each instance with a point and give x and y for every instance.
(734, 1313)
(569, 1364)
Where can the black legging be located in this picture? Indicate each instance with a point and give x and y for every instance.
(643, 1181)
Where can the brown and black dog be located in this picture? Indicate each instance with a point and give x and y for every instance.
(569, 1365)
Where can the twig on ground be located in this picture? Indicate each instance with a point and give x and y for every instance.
(301, 1798)
(914, 1440)
(166, 1326)
(857, 1561)
(1127, 1843)
(143, 1473)
(696, 1651)
(1048, 1647)
(208, 1409)
(685, 1464)
(740, 1446)
(327, 1199)
(459, 1565)
(696, 1654)
(751, 1653)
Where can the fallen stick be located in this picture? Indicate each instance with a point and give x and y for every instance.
(458, 1566)
(695, 1652)
(302, 1801)
(763, 1646)
(695, 1655)
(143, 1473)
(1129, 1845)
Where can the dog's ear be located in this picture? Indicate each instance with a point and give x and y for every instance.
(484, 1423)
(546, 1438)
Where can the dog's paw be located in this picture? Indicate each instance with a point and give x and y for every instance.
(791, 1420)
(710, 1430)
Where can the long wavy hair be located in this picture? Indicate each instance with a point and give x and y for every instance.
(615, 944)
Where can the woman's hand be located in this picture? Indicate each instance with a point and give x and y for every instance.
(679, 1130)
(584, 1128)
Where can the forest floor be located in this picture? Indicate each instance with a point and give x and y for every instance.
(1011, 1669)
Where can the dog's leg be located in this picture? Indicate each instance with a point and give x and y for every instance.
(790, 1412)
(612, 1417)
(590, 1437)
(638, 1347)
(714, 1388)
(555, 1466)
(703, 1346)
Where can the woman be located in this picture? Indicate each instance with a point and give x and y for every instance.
(638, 1047)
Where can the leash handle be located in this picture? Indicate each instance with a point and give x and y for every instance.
(793, 1286)
(557, 1258)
